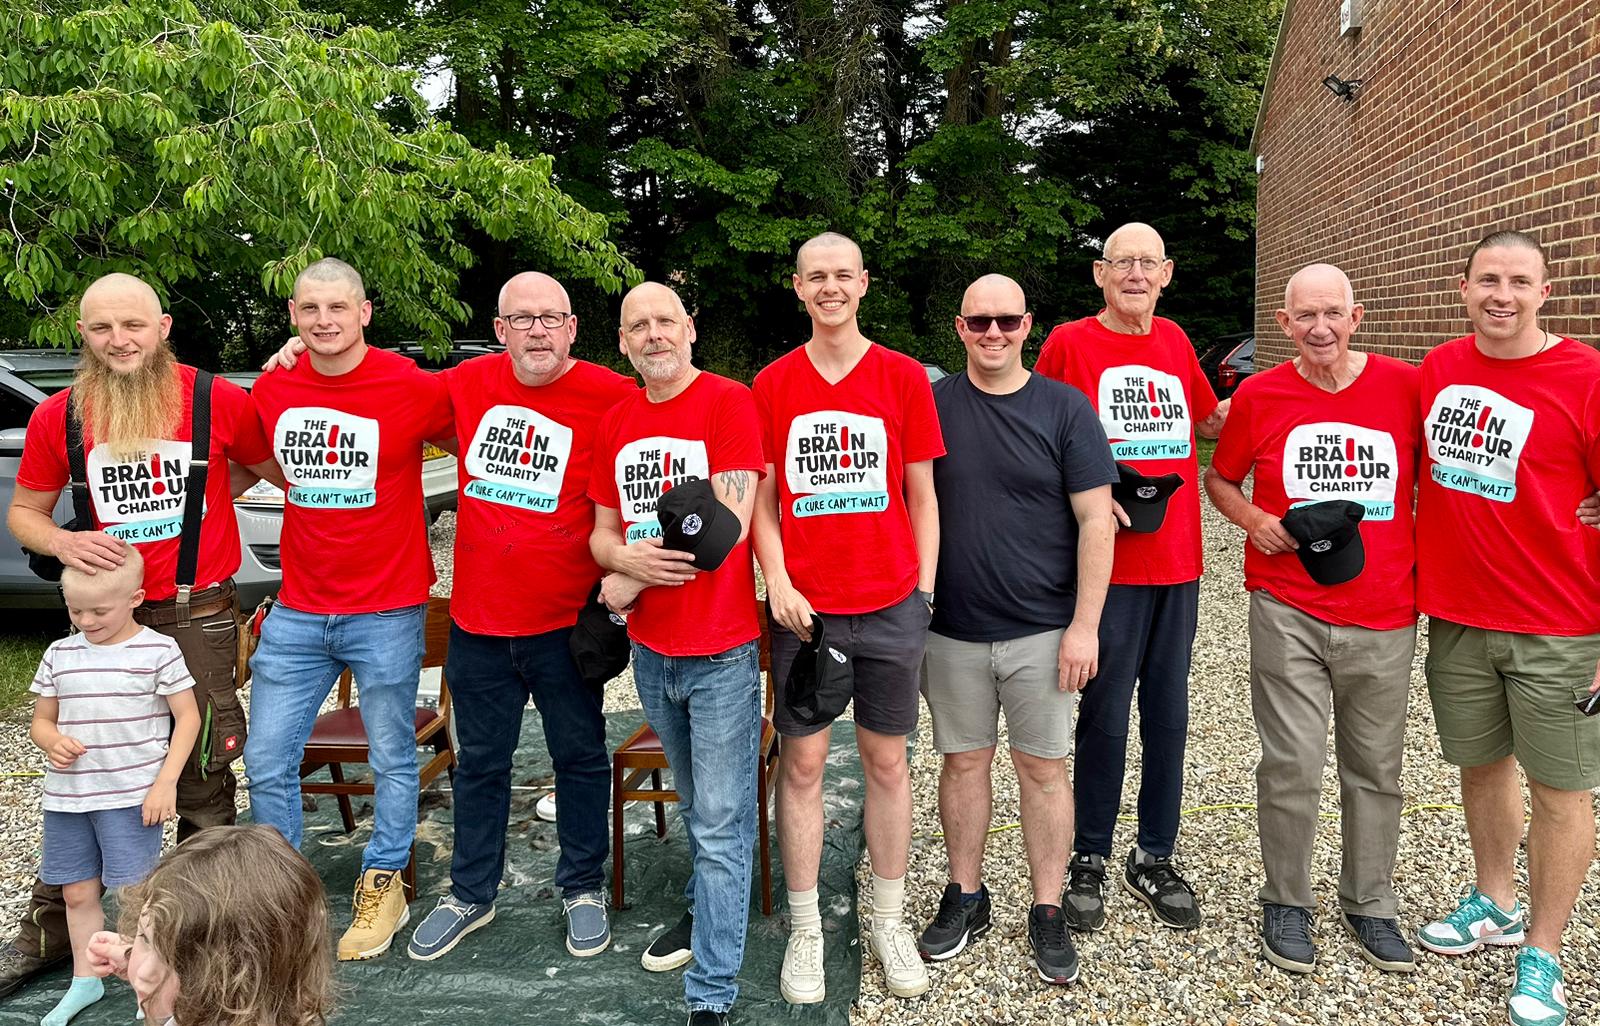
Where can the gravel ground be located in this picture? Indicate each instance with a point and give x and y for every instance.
(1135, 972)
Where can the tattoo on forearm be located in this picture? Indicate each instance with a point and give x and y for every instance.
(736, 481)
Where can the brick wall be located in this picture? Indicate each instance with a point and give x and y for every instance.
(1473, 115)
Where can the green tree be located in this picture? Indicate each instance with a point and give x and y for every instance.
(215, 147)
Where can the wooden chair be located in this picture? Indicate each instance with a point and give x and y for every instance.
(641, 756)
(338, 737)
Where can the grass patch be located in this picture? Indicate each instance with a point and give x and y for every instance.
(20, 650)
(1205, 447)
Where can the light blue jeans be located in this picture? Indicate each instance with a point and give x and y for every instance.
(707, 712)
(294, 668)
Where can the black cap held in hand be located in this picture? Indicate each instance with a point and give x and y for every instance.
(1143, 498)
(599, 642)
(1329, 534)
(821, 679)
(692, 520)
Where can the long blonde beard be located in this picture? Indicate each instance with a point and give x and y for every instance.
(126, 411)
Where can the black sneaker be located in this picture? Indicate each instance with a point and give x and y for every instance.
(1083, 905)
(1381, 943)
(957, 923)
(1158, 885)
(17, 967)
(1286, 938)
(706, 1017)
(670, 949)
(1053, 954)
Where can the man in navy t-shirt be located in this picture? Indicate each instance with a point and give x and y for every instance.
(1025, 526)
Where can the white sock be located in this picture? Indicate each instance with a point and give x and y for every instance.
(888, 900)
(803, 911)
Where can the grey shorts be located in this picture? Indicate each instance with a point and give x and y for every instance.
(111, 845)
(885, 650)
(970, 682)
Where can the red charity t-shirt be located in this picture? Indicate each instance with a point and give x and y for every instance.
(1150, 392)
(523, 512)
(1307, 445)
(840, 453)
(139, 498)
(355, 534)
(1510, 448)
(643, 449)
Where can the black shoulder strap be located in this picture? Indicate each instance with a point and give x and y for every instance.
(76, 467)
(194, 492)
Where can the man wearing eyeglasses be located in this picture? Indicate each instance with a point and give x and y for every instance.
(1017, 624)
(847, 529)
(1141, 373)
(524, 422)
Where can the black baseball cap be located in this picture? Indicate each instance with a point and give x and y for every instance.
(1143, 498)
(599, 642)
(821, 679)
(1329, 534)
(692, 520)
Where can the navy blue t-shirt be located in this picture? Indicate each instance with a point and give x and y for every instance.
(1008, 540)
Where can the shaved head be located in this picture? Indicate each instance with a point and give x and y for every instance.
(1313, 277)
(528, 282)
(994, 291)
(124, 288)
(647, 292)
(1134, 234)
(333, 270)
(827, 240)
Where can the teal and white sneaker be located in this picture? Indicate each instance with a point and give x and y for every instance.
(1539, 997)
(1475, 922)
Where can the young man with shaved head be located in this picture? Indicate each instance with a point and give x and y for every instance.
(135, 404)
(1016, 628)
(694, 631)
(347, 425)
(847, 531)
(1511, 435)
(1141, 373)
(1332, 425)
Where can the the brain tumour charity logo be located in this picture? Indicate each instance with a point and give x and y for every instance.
(1475, 437)
(330, 457)
(647, 469)
(834, 463)
(1145, 413)
(519, 458)
(1333, 460)
(140, 497)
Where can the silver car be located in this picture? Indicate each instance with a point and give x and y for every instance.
(29, 376)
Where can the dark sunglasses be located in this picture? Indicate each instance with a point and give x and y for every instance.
(980, 322)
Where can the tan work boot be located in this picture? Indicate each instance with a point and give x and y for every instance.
(378, 912)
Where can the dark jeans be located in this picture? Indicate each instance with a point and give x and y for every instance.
(1146, 633)
(491, 679)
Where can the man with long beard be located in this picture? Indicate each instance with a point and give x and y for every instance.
(134, 401)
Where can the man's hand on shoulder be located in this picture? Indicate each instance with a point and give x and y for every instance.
(1589, 510)
(286, 357)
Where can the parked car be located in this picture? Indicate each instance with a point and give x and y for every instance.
(29, 376)
(1228, 361)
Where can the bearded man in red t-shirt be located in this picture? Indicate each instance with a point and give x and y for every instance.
(1511, 428)
(134, 401)
(1141, 373)
(1332, 424)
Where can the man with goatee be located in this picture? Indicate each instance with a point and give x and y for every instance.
(134, 402)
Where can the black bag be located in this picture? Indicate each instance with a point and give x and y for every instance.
(48, 567)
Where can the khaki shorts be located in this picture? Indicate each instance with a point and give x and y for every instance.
(970, 682)
(1496, 694)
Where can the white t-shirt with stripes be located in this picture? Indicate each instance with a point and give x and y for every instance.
(113, 702)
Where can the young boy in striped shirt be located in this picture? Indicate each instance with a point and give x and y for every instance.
(116, 718)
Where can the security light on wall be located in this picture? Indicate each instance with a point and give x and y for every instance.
(1342, 89)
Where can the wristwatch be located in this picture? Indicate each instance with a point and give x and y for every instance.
(927, 596)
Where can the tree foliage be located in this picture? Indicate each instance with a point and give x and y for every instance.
(215, 147)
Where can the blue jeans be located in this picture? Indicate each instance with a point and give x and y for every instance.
(707, 712)
(300, 657)
(491, 679)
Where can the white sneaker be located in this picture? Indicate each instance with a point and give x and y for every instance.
(903, 971)
(802, 981)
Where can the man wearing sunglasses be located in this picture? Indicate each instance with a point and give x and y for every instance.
(846, 527)
(1017, 624)
(1141, 373)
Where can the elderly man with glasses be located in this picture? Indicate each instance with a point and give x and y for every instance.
(1141, 375)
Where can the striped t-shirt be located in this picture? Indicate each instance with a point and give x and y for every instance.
(113, 702)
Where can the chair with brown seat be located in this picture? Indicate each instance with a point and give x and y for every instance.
(338, 737)
(641, 756)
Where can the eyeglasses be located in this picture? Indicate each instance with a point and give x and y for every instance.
(979, 323)
(1122, 265)
(522, 322)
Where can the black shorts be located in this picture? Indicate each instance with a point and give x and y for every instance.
(885, 649)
